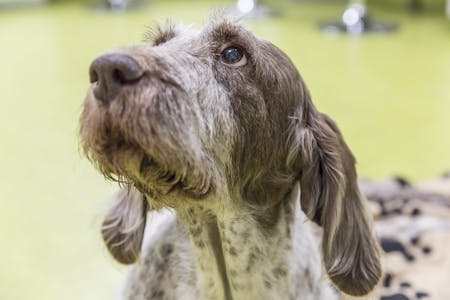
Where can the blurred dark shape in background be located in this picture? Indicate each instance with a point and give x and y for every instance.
(113, 5)
(356, 20)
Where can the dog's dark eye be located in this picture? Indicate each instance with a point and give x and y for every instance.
(233, 56)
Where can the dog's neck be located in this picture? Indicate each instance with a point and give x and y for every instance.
(237, 258)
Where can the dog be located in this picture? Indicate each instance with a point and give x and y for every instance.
(215, 133)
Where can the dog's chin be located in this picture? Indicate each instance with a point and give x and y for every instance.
(133, 166)
(155, 180)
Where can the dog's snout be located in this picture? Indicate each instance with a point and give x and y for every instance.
(111, 72)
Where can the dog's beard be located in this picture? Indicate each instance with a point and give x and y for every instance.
(135, 151)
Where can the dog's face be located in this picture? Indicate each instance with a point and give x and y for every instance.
(156, 133)
(203, 102)
(195, 116)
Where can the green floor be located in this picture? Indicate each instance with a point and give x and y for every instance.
(389, 93)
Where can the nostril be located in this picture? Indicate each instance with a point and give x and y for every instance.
(126, 71)
(118, 76)
(93, 76)
(124, 77)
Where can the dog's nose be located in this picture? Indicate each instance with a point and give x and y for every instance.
(111, 72)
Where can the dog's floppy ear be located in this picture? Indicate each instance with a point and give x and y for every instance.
(124, 225)
(330, 197)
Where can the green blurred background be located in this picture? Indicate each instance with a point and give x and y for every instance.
(390, 94)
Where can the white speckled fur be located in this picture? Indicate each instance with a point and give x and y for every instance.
(185, 279)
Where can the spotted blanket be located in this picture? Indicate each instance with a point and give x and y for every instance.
(413, 227)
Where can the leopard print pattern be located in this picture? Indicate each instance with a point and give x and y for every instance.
(412, 223)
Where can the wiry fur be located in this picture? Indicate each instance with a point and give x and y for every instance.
(124, 225)
(227, 148)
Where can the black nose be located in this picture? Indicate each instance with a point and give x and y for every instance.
(111, 72)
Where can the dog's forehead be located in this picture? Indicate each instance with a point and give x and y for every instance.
(214, 31)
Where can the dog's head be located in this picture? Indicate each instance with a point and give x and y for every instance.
(191, 116)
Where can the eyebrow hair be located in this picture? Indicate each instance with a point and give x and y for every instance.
(160, 33)
(224, 31)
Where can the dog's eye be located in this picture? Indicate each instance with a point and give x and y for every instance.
(233, 56)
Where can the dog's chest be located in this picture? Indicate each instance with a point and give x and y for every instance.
(257, 260)
(247, 261)
(232, 261)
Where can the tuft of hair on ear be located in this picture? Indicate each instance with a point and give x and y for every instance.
(124, 225)
(330, 196)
